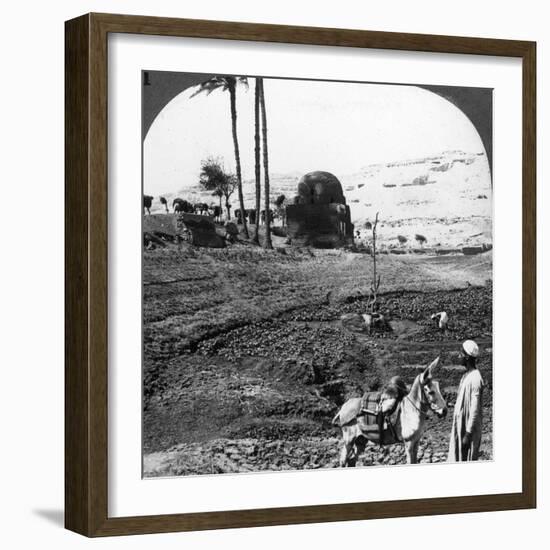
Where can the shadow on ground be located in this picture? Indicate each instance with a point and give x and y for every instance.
(57, 517)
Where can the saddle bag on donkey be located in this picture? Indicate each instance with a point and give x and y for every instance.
(365, 410)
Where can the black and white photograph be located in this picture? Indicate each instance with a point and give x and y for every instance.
(317, 274)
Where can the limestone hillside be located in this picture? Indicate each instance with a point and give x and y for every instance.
(447, 198)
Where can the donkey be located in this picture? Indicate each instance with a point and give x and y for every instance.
(411, 414)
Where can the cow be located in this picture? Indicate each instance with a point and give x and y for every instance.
(181, 205)
(217, 213)
(147, 202)
(200, 208)
(237, 214)
(262, 216)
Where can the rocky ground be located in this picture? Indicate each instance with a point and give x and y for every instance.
(246, 359)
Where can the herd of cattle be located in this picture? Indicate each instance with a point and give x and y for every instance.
(203, 209)
(181, 205)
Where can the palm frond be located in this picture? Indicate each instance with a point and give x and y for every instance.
(208, 87)
(222, 83)
(242, 80)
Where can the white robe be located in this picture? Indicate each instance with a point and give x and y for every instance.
(467, 417)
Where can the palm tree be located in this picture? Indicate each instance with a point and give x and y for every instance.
(267, 242)
(229, 84)
(257, 158)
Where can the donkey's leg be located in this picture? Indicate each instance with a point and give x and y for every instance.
(408, 451)
(414, 452)
(348, 441)
(411, 450)
(352, 457)
(345, 453)
(358, 448)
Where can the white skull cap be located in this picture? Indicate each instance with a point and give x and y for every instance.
(471, 348)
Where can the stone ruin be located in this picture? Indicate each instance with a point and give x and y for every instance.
(319, 216)
(202, 230)
(199, 230)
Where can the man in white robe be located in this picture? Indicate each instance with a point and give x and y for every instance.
(467, 417)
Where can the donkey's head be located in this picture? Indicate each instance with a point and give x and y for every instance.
(430, 388)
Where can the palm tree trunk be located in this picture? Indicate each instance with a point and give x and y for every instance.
(257, 158)
(228, 208)
(232, 98)
(267, 241)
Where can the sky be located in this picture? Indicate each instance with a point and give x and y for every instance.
(312, 125)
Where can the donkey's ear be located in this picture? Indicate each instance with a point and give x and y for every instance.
(434, 364)
(430, 369)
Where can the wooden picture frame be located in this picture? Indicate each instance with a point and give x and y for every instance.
(86, 282)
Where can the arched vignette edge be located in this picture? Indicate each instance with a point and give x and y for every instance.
(474, 103)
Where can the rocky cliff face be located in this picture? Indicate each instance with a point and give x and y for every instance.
(447, 198)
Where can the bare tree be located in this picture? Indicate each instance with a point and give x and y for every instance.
(375, 282)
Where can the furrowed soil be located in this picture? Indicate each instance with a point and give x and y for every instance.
(246, 360)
